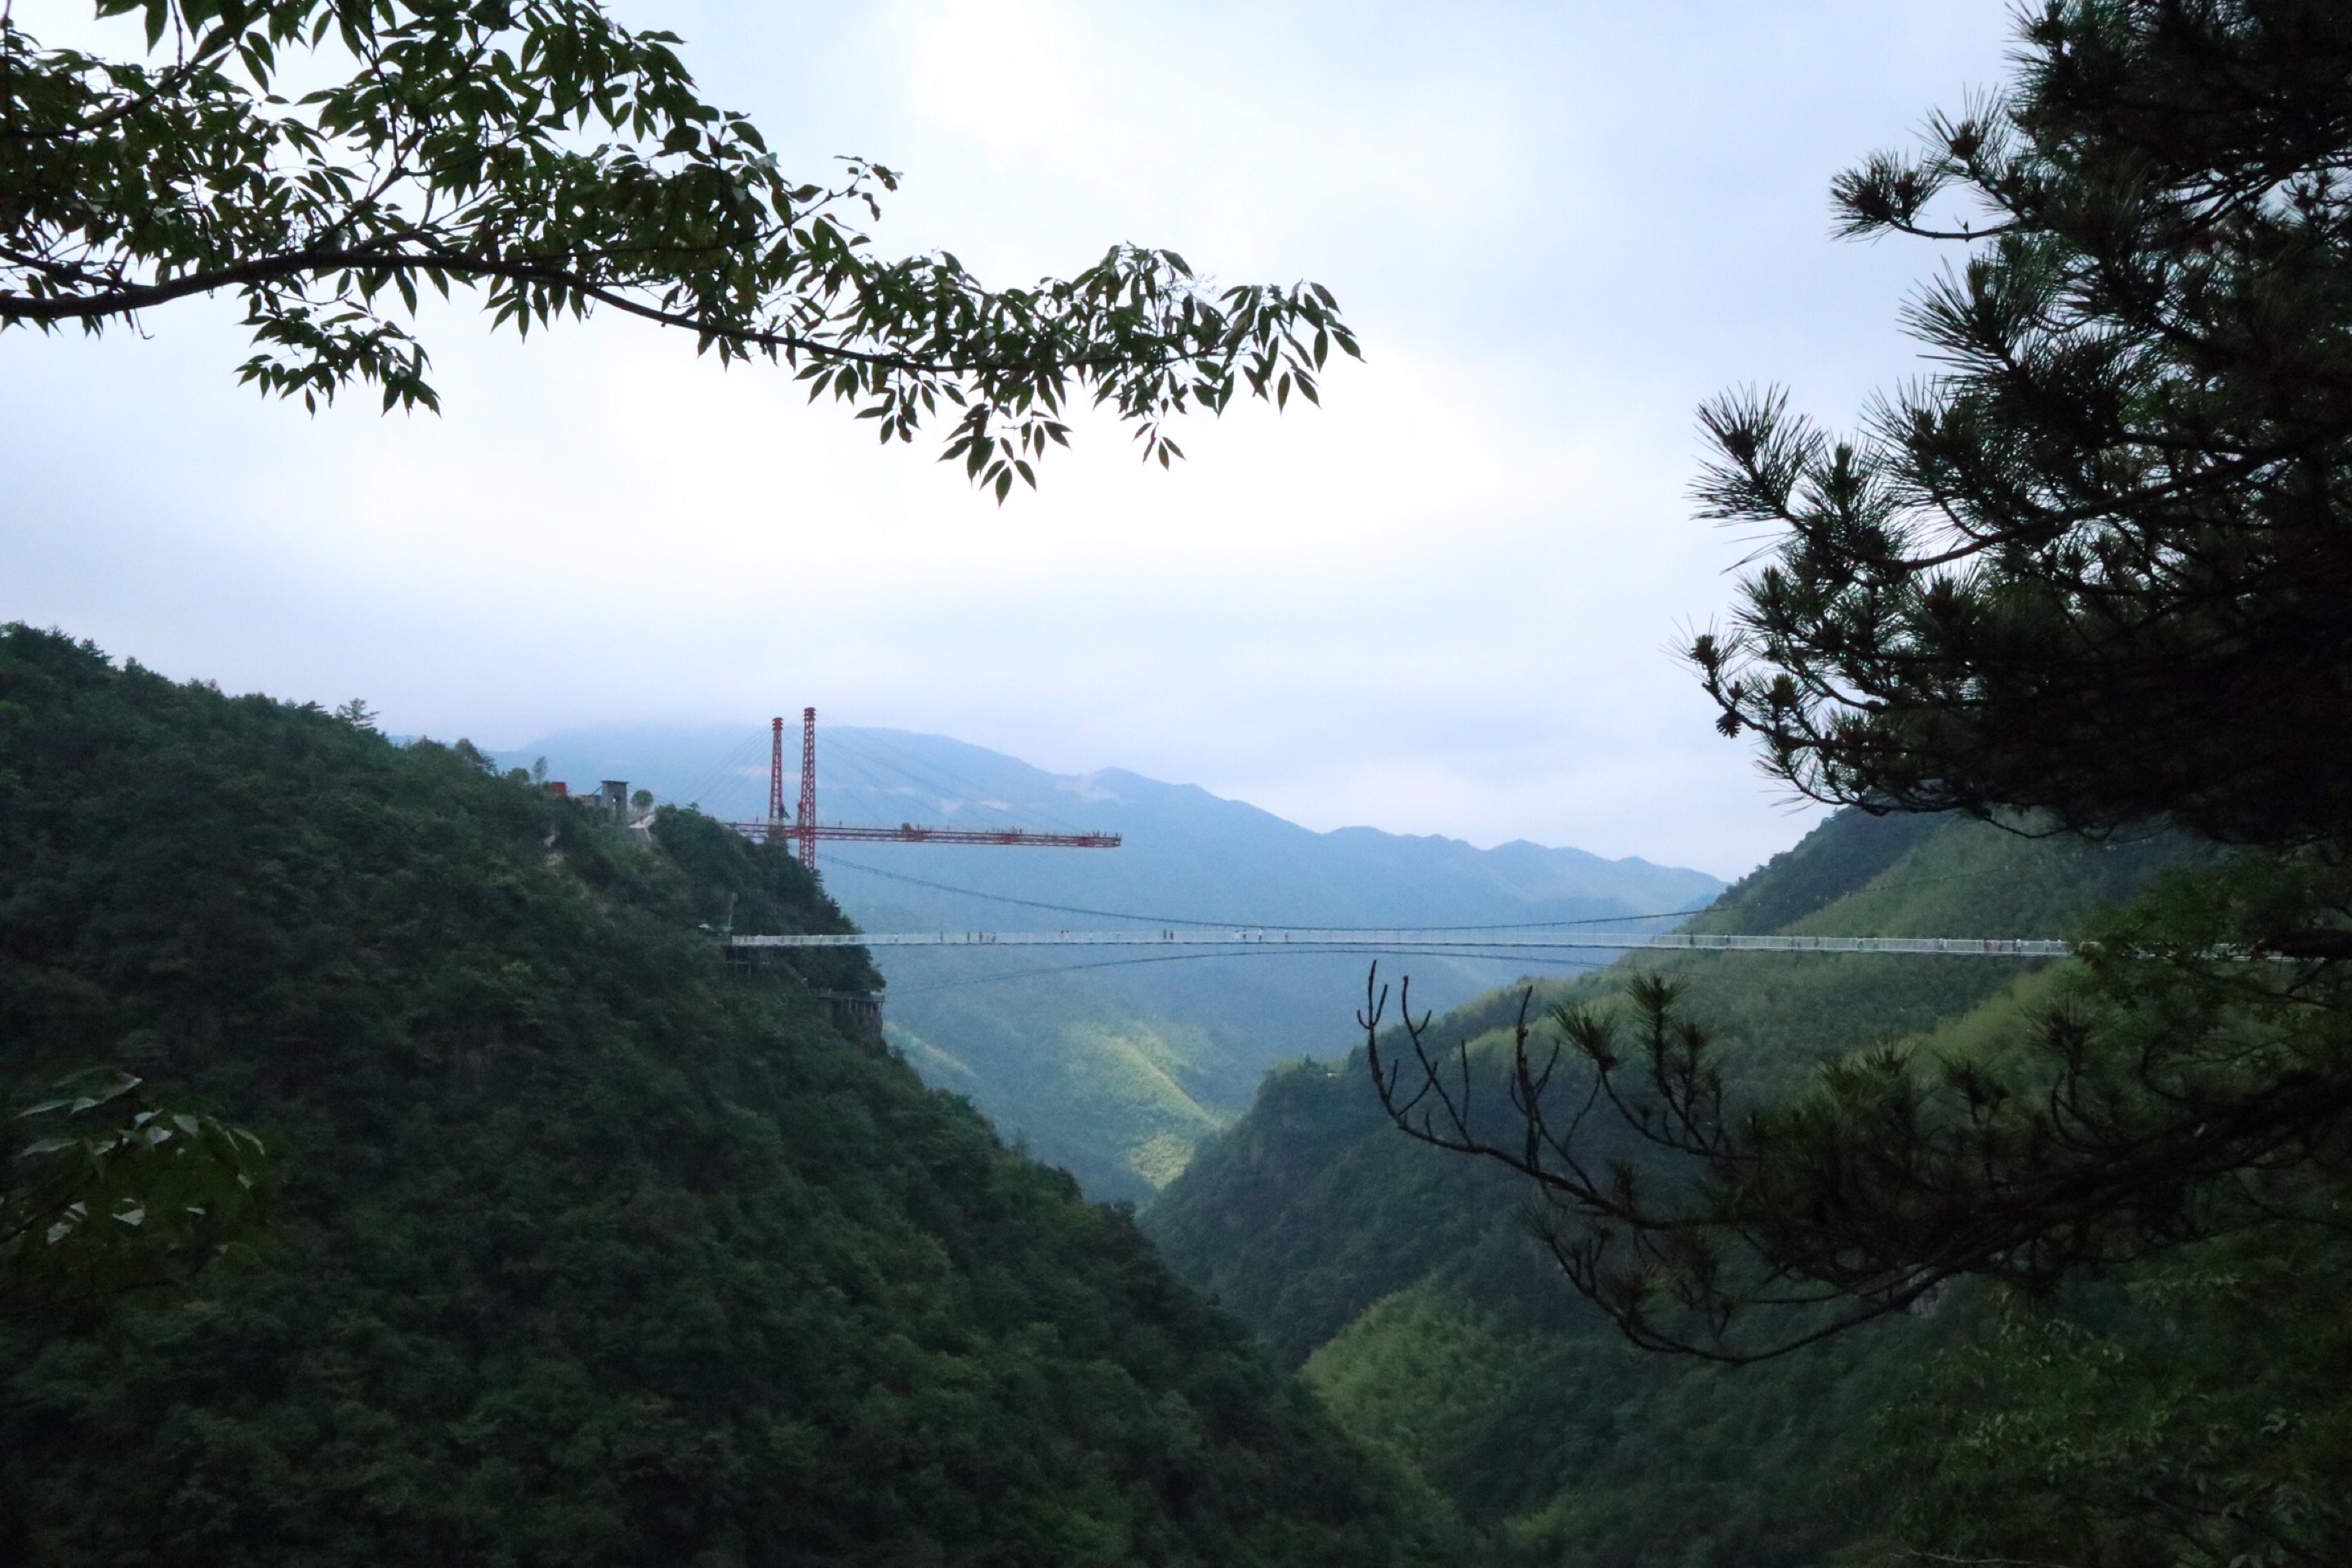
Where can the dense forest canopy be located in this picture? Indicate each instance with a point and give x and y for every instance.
(586, 1246)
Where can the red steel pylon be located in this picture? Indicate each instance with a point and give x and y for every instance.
(807, 818)
(776, 782)
(802, 827)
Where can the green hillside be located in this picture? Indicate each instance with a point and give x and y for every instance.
(1311, 1208)
(1116, 1097)
(1408, 1285)
(591, 1247)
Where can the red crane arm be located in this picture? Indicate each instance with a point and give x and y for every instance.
(802, 828)
(907, 833)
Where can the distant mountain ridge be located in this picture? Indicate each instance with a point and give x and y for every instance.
(1181, 840)
(1110, 1065)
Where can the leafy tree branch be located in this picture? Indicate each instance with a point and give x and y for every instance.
(112, 1194)
(556, 161)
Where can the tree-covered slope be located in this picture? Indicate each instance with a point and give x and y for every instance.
(590, 1247)
(1312, 1207)
(1408, 1283)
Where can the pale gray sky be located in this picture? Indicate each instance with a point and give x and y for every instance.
(1441, 604)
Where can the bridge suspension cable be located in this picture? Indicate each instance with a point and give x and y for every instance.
(1346, 940)
(998, 976)
(1253, 925)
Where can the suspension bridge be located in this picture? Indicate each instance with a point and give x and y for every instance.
(1351, 940)
(801, 827)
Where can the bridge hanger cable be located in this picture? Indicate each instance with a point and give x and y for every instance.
(1581, 965)
(880, 757)
(724, 771)
(1309, 938)
(1250, 925)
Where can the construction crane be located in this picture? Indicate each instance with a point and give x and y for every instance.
(802, 825)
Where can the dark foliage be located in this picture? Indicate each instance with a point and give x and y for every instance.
(590, 1247)
(2097, 566)
(111, 1193)
(2195, 1413)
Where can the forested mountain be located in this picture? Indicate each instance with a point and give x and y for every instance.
(1411, 1287)
(1110, 1068)
(588, 1246)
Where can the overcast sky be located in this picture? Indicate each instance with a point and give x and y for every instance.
(1444, 602)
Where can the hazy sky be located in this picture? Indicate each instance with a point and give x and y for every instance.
(1442, 604)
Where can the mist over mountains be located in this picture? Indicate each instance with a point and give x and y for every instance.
(1115, 1066)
